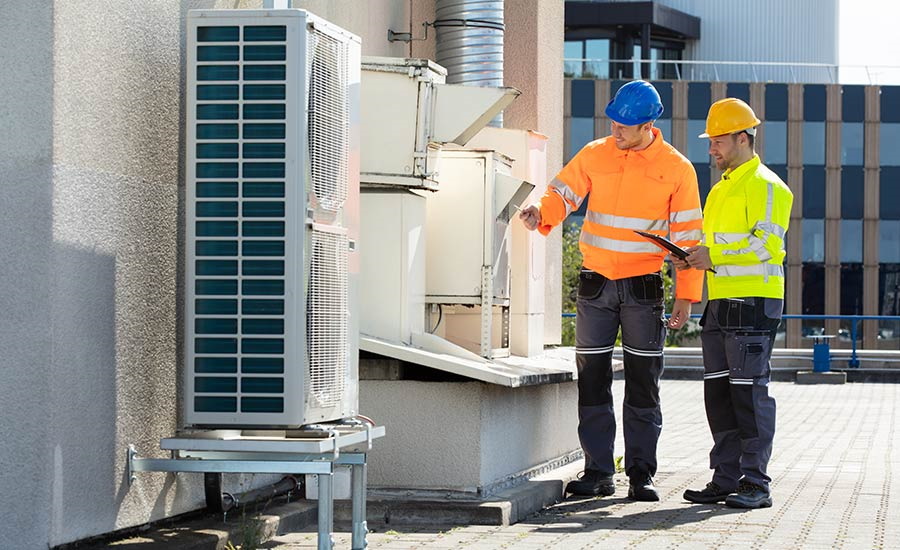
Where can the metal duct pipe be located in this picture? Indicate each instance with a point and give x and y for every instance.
(470, 43)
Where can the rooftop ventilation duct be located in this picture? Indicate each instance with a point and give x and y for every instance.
(470, 43)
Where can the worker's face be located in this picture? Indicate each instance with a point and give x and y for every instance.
(629, 137)
(724, 149)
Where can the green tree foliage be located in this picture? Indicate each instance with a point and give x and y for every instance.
(571, 266)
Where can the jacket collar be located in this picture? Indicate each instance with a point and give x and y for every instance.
(647, 154)
(742, 170)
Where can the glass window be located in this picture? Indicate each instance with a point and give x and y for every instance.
(853, 103)
(739, 90)
(890, 144)
(890, 98)
(890, 193)
(852, 190)
(814, 98)
(814, 192)
(597, 51)
(665, 95)
(889, 292)
(698, 148)
(851, 241)
(813, 240)
(813, 290)
(703, 177)
(582, 133)
(851, 289)
(852, 139)
(775, 142)
(814, 143)
(776, 102)
(583, 98)
(665, 126)
(699, 94)
(636, 56)
(573, 52)
(889, 241)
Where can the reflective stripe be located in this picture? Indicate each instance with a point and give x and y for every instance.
(728, 238)
(759, 248)
(567, 204)
(719, 374)
(594, 351)
(741, 381)
(619, 246)
(566, 193)
(643, 353)
(772, 228)
(686, 215)
(762, 270)
(692, 235)
(624, 222)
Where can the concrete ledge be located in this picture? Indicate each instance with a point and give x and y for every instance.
(812, 377)
(383, 508)
(210, 532)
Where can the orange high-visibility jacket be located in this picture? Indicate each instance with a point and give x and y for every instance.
(654, 190)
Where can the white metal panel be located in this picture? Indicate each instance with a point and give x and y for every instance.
(392, 245)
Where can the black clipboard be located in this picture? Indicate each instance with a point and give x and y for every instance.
(666, 244)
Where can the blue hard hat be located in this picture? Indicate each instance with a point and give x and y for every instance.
(635, 103)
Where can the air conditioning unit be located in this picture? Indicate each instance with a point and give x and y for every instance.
(272, 217)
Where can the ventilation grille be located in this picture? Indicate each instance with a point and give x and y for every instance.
(327, 317)
(238, 241)
(329, 132)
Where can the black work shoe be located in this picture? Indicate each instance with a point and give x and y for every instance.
(592, 483)
(640, 487)
(710, 495)
(749, 495)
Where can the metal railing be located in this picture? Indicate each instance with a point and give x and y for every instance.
(733, 71)
(854, 320)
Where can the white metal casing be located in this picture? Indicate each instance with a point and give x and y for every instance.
(392, 248)
(467, 226)
(408, 112)
(272, 210)
(528, 149)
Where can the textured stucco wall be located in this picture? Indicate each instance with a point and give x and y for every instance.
(91, 192)
(26, 249)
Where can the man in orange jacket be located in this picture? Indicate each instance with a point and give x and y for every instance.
(632, 180)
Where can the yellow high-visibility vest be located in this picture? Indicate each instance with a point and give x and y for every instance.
(744, 225)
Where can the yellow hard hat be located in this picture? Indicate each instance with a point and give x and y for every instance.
(729, 116)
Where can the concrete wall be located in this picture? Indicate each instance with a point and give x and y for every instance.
(91, 192)
(465, 436)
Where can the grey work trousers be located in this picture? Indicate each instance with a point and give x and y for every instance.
(737, 339)
(636, 304)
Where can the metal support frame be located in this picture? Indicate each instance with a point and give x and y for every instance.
(319, 456)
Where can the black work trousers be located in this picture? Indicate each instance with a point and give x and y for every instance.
(636, 304)
(737, 338)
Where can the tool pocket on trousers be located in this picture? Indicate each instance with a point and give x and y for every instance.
(734, 313)
(748, 354)
(590, 285)
(647, 289)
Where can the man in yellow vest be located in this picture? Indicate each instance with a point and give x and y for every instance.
(744, 224)
(631, 180)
